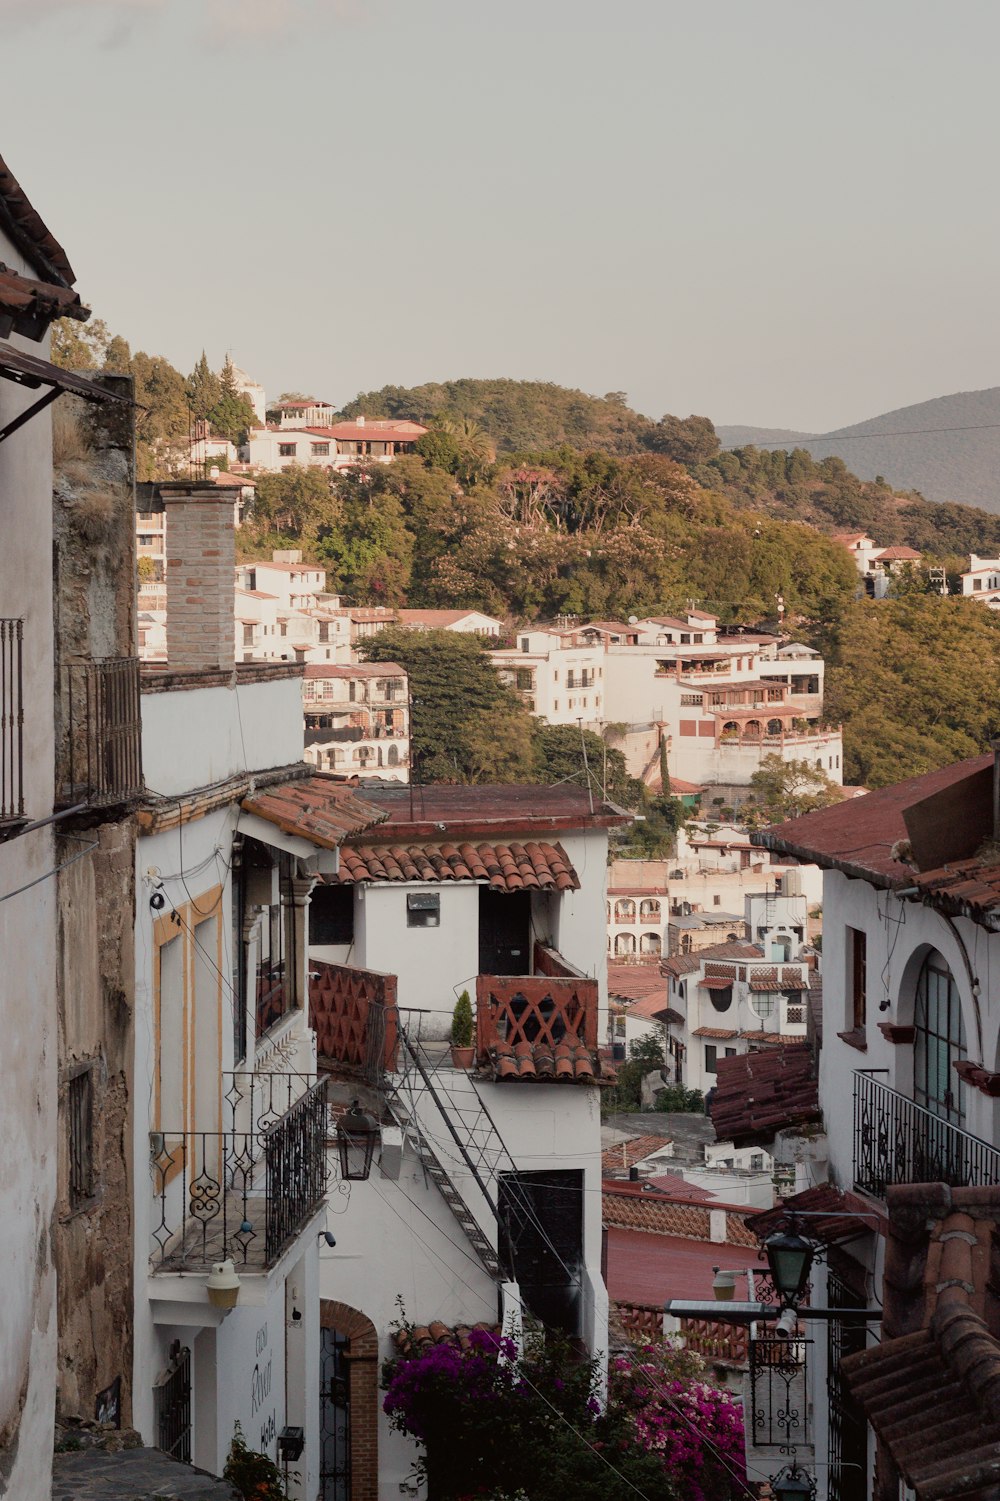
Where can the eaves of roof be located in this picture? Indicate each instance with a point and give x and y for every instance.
(29, 232)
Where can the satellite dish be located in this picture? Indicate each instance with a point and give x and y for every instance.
(633, 620)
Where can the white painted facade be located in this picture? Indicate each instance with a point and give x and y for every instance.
(28, 942)
(557, 680)
(357, 720)
(982, 581)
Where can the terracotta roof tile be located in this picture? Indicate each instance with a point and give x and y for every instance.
(536, 866)
(419, 1337)
(849, 1215)
(931, 1388)
(568, 1062)
(636, 982)
(30, 232)
(625, 1154)
(970, 887)
(719, 1032)
(761, 1093)
(28, 307)
(858, 836)
(318, 808)
(686, 964)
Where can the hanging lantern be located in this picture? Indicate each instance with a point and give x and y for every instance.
(357, 1137)
(793, 1484)
(789, 1256)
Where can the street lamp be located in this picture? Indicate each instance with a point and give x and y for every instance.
(789, 1256)
(793, 1484)
(357, 1137)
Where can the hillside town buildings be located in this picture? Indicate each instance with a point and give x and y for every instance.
(981, 581)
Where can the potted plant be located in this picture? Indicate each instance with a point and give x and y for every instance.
(462, 1051)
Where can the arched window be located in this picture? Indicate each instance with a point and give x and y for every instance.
(939, 1041)
(649, 909)
(625, 909)
(624, 944)
(730, 730)
(752, 729)
(650, 943)
(394, 755)
(774, 726)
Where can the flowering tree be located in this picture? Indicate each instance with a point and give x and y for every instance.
(495, 1424)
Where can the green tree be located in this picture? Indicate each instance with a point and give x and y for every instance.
(233, 415)
(204, 389)
(79, 346)
(298, 503)
(688, 440)
(786, 789)
(457, 704)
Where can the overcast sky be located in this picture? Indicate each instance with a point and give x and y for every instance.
(764, 211)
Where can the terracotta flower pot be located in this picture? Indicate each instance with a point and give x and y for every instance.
(461, 1057)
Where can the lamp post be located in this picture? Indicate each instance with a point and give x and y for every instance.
(790, 1258)
(357, 1137)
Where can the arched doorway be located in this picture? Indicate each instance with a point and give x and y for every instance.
(348, 1404)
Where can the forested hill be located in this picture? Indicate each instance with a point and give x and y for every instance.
(516, 414)
(948, 448)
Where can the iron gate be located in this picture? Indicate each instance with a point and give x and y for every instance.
(172, 1400)
(334, 1417)
(848, 1441)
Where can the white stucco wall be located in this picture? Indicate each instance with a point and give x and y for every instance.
(203, 735)
(28, 947)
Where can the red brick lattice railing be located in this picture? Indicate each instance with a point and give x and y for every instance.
(353, 1013)
(537, 1010)
(715, 1342)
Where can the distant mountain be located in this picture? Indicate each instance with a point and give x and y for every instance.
(948, 448)
(741, 437)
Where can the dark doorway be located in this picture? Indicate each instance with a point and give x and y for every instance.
(335, 1417)
(504, 932)
(541, 1241)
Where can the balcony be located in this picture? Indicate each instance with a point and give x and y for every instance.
(102, 763)
(540, 1026)
(353, 1013)
(244, 1193)
(899, 1141)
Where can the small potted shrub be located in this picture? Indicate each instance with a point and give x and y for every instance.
(462, 1051)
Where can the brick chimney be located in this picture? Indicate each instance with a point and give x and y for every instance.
(201, 563)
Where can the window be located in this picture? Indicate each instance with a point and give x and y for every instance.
(730, 1052)
(331, 915)
(857, 977)
(320, 450)
(721, 999)
(939, 1041)
(540, 1243)
(145, 540)
(80, 1110)
(716, 901)
(524, 643)
(711, 1052)
(525, 678)
(756, 1161)
(763, 1004)
(287, 450)
(423, 909)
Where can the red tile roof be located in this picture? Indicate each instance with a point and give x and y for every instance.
(636, 982)
(439, 618)
(507, 867)
(761, 1093)
(490, 811)
(966, 887)
(718, 1032)
(898, 554)
(686, 964)
(32, 305)
(380, 432)
(651, 1268)
(568, 1062)
(857, 836)
(847, 1215)
(931, 1388)
(29, 232)
(418, 1338)
(651, 1007)
(625, 1154)
(318, 808)
(679, 1189)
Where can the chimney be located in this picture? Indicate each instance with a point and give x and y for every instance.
(201, 569)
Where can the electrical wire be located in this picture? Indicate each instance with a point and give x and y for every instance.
(789, 444)
(8, 895)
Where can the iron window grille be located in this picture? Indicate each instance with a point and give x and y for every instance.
(80, 1112)
(11, 721)
(104, 734)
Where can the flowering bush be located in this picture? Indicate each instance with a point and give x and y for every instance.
(493, 1424)
(695, 1428)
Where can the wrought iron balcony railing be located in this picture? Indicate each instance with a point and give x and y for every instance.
(243, 1193)
(11, 722)
(779, 1393)
(103, 730)
(898, 1141)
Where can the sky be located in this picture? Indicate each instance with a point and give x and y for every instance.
(778, 212)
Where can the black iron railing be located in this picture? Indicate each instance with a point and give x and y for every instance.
(242, 1193)
(11, 721)
(899, 1141)
(103, 731)
(172, 1402)
(779, 1393)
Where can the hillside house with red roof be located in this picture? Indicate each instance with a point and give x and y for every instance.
(307, 436)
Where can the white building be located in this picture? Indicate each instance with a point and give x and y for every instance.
(357, 719)
(326, 445)
(253, 391)
(498, 891)
(909, 1077)
(637, 909)
(715, 870)
(982, 581)
(230, 1124)
(877, 565)
(558, 679)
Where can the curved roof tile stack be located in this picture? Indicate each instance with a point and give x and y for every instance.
(534, 866)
